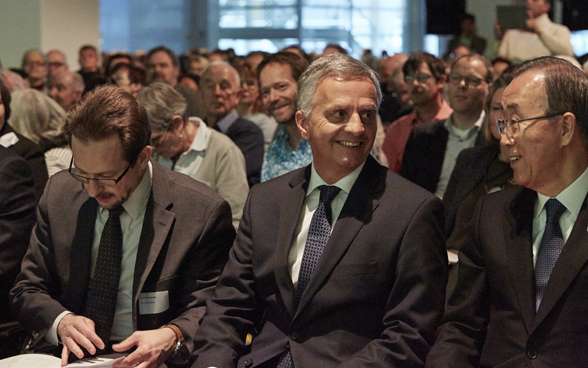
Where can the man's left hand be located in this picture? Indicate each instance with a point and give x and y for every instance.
(153, 348)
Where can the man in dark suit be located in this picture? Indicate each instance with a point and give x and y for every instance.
(376, 293)
(432, 148)
(17, 217)
(521, 294)
(175, 235)
(220, 87)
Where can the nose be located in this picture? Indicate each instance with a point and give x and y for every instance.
(217, 89)
(354, 125)
(93, 188)
(506, 138)
(273, 95)
(53, 92)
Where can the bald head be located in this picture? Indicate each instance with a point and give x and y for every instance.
(57, 62)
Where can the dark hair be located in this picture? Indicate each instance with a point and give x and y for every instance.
(5, 94)
(136, 75)
(566, 88)
(417, 58)
(88, 47)
(297, 64)
(300, 51)
(468, 16)
(109, 110)
(489, 69)
(339, 48)
(169, 53)
(107, 69)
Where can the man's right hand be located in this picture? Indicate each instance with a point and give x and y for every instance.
(75, 331)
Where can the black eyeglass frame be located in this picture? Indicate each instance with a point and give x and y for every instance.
(100, 181)
(469, 80)
(502, 125)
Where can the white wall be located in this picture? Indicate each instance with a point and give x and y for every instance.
(47, 24)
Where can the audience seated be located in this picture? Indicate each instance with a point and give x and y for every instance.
(185, 144)
(129, 77)
(66, 88)
(35, 67)
(56, 62)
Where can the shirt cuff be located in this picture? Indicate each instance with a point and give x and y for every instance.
(51, 336)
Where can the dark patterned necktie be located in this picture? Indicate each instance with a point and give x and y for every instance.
(549, 249)
(101, 301)
(318, 235)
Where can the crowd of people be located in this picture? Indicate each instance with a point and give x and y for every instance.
(288, 209)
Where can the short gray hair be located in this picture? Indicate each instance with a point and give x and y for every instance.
(339, 66)
(162, 102)
(77, 82)
(224, 63)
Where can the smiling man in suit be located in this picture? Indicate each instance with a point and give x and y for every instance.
(521, 294)
(122, 245)
(340, 263)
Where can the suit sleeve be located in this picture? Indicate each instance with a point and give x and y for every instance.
(233, 311)
(17, 217)
(407, 165)
(250, 140)
(415, 304)
(462, 331)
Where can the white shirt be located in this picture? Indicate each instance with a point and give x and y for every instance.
(311, 202)
(131, 221)
(518, 45)
(457, 141)
(572, 198)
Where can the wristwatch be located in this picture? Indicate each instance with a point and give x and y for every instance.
(179, 338)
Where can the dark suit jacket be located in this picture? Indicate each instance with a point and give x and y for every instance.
(376, 295)
(249, 138)
(31, 152)
(424, 154)
(184, 243)
(17, 217)
(490, 319)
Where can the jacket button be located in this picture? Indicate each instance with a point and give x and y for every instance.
(294, 336)
(532, 354)
(248, 363)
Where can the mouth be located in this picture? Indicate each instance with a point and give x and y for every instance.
(349, 144)
(514, 158)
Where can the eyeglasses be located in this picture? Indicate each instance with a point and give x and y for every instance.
(512, 125)
(103, 182)
(421, 78)
(455, 78)
(56, 64)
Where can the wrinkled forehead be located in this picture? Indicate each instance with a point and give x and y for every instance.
(221, 73)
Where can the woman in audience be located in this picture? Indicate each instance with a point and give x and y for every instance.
(250, 106)
(478, 170)
(40, 119)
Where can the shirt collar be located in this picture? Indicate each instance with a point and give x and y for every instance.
(225, 123)
(345, 183)
(200, 142)
(572, 197)
(137, 201)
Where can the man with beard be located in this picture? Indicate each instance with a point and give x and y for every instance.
(278, 79)
(425, 76)
(125, 252)
(164, 66)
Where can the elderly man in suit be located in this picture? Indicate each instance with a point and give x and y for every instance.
(521, 294)
(122, 245)
(367, 293)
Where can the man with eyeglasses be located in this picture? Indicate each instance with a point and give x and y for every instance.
(35, 66)
(425, 76)
(432, 148)
(57, 62)
(521, 295)
(125, 252)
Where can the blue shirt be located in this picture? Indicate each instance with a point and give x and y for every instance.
(279, 158)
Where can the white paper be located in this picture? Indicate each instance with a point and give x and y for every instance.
(49, 361)
(152, 303)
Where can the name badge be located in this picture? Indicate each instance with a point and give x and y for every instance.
(153, 303)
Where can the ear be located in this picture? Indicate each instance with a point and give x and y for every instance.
(144, 157)
(177, 123)
(301, 123)
(568, 128)
(441, 82)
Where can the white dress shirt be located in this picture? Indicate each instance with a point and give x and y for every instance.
(311, 202)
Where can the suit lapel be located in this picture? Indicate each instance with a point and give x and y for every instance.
(156, 226)
(81, 255)
(519, 246)
(571, 261)
(289, 214)
(359, 206)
